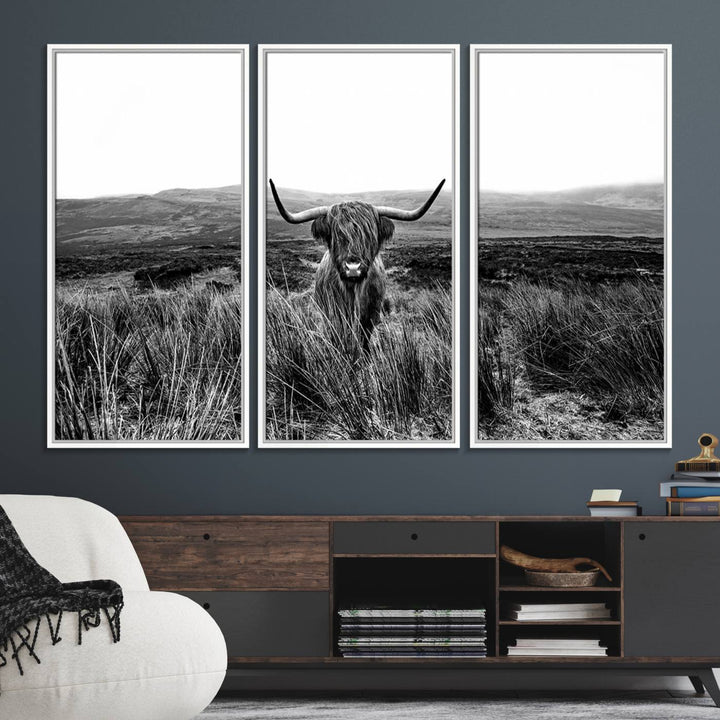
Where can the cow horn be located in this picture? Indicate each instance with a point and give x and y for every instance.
(299, 217)
(409, 215)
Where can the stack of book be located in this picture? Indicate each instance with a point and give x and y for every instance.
(424, 632)
(692, 493)
(562, 647)
(532, 612)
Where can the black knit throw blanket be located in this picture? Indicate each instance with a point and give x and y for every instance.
(30, 596)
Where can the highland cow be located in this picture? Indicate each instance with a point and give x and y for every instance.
(350, 280)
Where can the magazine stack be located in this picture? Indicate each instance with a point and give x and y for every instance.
(424, 632)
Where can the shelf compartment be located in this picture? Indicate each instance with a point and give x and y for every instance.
(414, 582)
(553, 596)
(607, 632)
(600, 541)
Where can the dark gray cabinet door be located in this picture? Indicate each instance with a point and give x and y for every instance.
(270, 624)
(672, 589)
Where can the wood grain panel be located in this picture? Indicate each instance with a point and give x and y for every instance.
(204, 554)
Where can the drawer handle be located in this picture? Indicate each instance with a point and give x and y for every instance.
(414, 536)
(206, 536)
(641, 536)
(206, 606)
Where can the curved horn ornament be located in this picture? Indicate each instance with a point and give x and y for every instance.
(298, 217)
(409, 215)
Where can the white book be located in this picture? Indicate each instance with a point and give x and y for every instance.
(557, 643)
(560, 615)
(559, 652)
(543, 607)
(620, 511)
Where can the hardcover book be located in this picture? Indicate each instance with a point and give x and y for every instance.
(709, 506)
(574, 652)
(666, 488)
(576, 643)
(599, 613)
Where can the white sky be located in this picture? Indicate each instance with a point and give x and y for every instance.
(551, 121)
(143, 122)
(352, 121)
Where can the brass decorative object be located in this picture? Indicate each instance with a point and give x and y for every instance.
(552, 566)
(706, 461)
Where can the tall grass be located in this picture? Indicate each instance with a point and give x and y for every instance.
(605, 342)
(495, 377)
(163, 365)
(317, 388)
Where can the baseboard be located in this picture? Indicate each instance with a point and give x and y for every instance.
(325, 680)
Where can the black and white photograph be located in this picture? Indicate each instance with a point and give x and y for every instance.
(570, 245)
(358, 251)
(147, 245)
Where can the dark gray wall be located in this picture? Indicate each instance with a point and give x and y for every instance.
(380, 481)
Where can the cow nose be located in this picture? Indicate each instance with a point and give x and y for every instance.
(352, 269)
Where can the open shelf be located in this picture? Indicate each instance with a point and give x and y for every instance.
(599, 541)
(415, 582)
(482, 579)
(605, 631)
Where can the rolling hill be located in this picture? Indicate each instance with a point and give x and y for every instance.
(619, 210)
(170, 217)
(439, 215)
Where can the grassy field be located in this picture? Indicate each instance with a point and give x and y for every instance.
(148, 342)
(571, 360)
(571, 315)
(402, 388)
(570, 342)
(154, 365)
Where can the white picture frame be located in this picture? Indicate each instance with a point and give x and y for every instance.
(264, 51)
(476, 100)
(242, 79)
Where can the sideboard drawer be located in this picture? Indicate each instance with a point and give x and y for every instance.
(414, 538)
(270, 624)
(207, 554)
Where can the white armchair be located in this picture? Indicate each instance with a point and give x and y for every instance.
(170, 661)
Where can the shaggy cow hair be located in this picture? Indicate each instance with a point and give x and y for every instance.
(353, 233)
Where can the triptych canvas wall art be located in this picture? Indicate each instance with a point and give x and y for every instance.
(358, 245)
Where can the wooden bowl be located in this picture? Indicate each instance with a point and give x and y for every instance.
(584, 578)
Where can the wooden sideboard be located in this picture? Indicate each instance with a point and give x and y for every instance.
(274, 583)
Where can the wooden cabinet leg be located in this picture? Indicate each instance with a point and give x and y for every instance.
(697, 684)
(708, 680)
